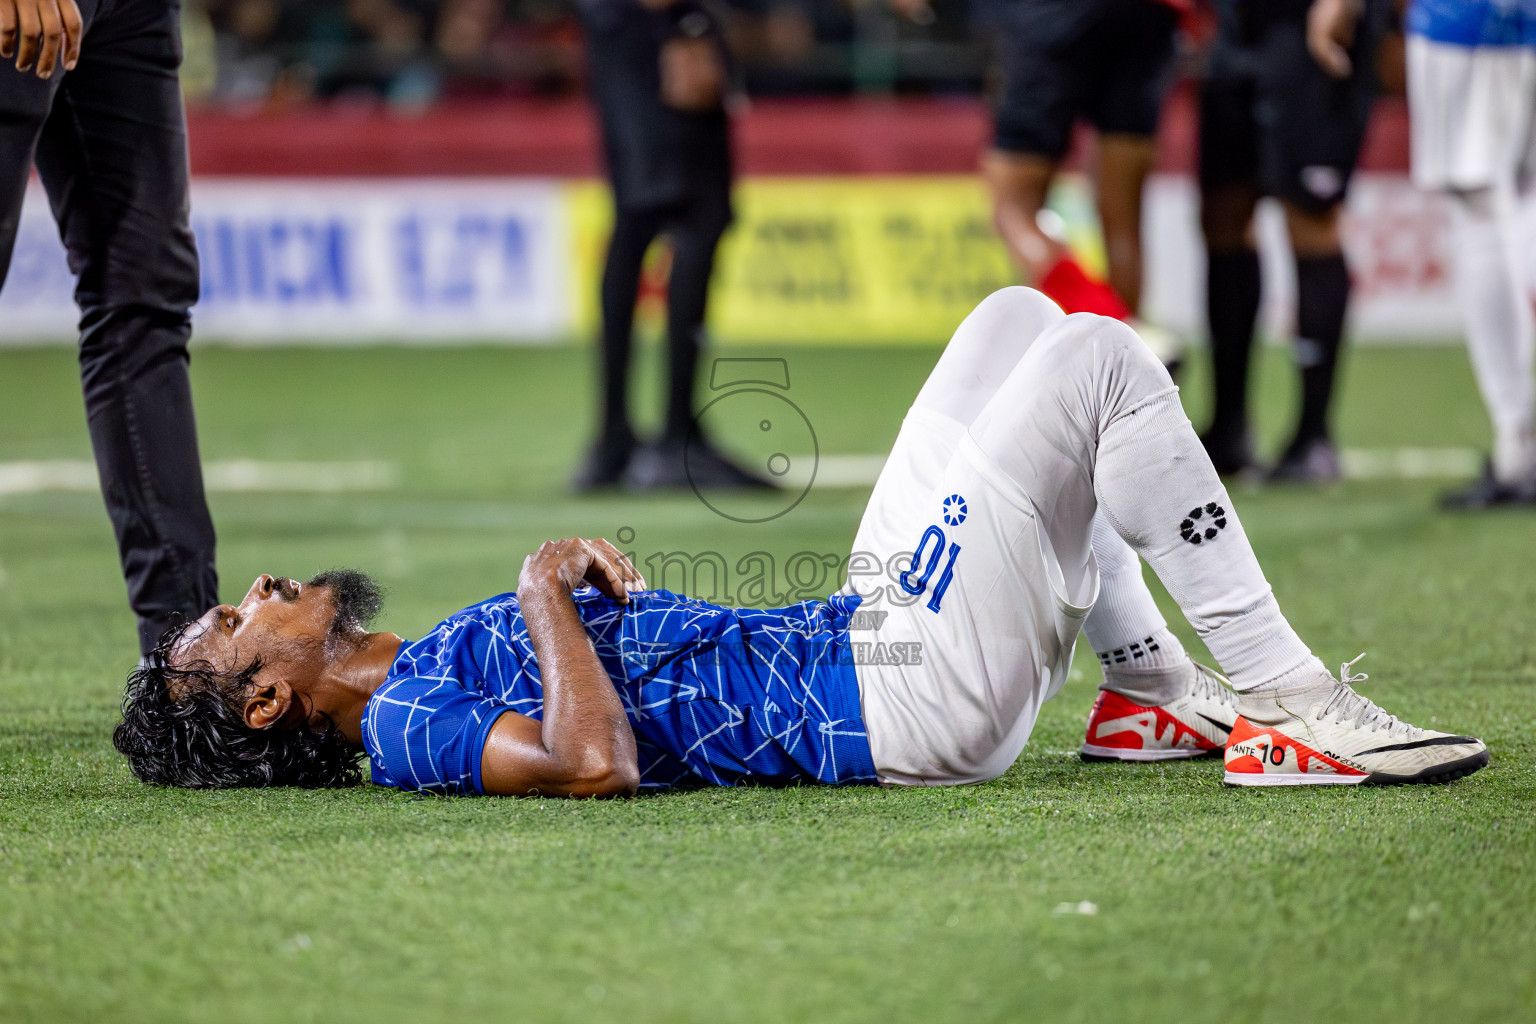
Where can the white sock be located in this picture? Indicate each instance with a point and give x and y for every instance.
(1501, 339)
(1140, 657)
(1157, 489)
(1152, 671)
(1125, 616)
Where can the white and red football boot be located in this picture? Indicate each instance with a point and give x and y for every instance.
(1194, 724)
(1332, 736)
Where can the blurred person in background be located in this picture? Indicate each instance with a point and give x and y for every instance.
(793, 47)
(360, 50)
(1472, 99)
(1108, 62)
(248, 60)
(102, 117)
(1283, 113)
(659, 78)
(536, 50)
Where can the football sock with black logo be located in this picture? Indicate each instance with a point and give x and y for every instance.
(1158, 490)
(1322, 299)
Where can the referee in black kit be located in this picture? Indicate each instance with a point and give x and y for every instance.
(1283, 113)
(659, 78)
(94, 98)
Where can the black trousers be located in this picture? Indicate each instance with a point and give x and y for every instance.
(694, 229)
(110, 142)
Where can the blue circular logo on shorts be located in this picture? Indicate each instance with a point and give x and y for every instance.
(954, 510)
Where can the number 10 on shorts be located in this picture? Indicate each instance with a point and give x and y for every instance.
(925, 562)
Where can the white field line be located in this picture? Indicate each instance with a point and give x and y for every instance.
(847, 470)
(1356, 463)
(1410, 463)
(255, 475)
(237, 475)
(319, 477)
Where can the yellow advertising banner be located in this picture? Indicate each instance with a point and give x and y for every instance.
(849, 260)
(875, 259)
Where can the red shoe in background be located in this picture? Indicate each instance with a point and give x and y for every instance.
(1069, 285)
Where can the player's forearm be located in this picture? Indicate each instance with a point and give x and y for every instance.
(590, 744)
(1331, 32)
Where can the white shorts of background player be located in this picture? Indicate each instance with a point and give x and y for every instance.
(1473, 112)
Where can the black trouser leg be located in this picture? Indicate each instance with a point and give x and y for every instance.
(113, 157)
(18, 138)
(633, 232)
(694, 240)
(25, 101)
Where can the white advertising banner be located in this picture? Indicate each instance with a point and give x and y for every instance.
(328, 261)
(516, 260)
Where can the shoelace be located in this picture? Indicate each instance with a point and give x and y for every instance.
(1212, 685)
(1348, 706)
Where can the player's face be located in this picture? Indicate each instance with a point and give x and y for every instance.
(274, 613)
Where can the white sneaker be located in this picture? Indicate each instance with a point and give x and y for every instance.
(1195, 724)
(1321, 736)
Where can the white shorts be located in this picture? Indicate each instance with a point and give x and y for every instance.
(994, 626)
(1473, 113)
(976, 549)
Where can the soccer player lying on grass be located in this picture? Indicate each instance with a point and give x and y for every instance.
(1042, 456)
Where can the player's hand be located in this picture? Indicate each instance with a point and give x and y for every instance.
(631, 576)
(44, 33)
(564, 565)
(1331, 32)
(692, 73)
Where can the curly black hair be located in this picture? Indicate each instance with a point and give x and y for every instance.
(198, 738)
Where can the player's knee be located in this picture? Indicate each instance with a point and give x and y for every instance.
(1088, 346)
(1006, 323)
(165, 294)
(702, 232)
(1020, 305)
(1016, 311)
(1314, 231)
(1125, 350)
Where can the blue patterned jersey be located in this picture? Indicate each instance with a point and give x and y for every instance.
(715, 695)
(1474, 22)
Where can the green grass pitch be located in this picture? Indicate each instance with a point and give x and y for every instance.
(123, 903)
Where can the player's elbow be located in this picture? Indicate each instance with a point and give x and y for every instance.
(622, 783)
(606, 776)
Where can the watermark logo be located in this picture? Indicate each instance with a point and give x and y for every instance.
(761, 579)
(826, 649)
(753, 406)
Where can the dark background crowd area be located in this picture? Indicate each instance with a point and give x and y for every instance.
(416, 53)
